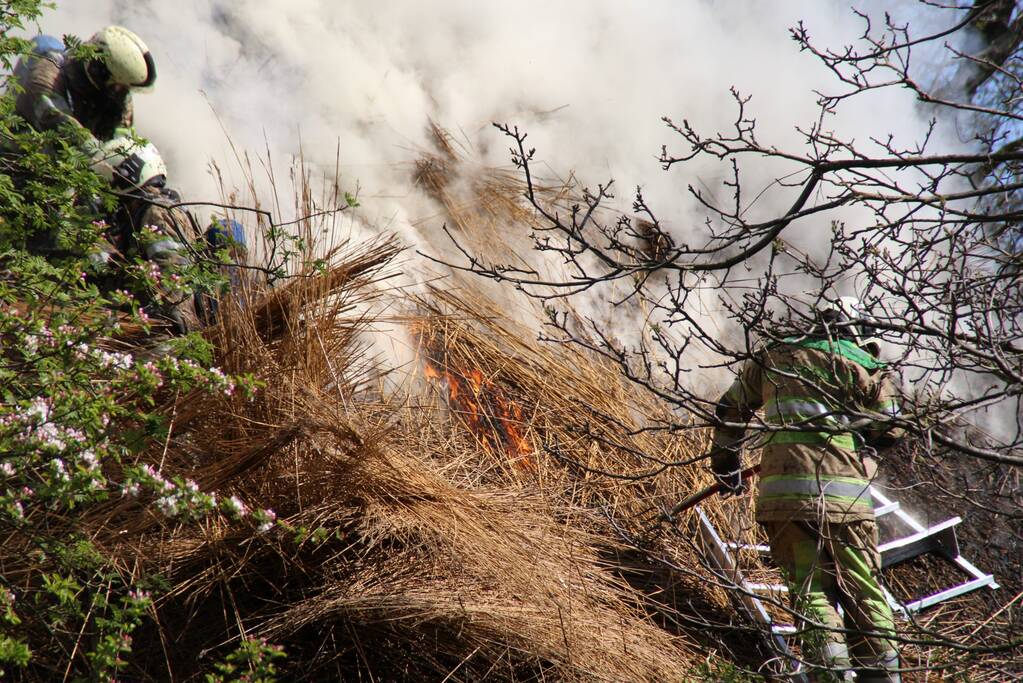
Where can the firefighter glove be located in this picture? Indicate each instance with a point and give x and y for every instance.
(727, 466)
(130, 169)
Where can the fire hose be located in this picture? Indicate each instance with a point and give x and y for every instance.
(706, 493)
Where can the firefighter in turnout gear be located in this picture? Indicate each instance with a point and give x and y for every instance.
(814, 501)
(92, 95)
(149, 225)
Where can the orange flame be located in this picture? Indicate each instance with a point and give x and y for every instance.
(484, 407)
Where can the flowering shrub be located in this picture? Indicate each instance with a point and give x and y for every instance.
(76, 411)
(252, 662)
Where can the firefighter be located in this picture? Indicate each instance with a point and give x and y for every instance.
(813, 499)
(149, 224)
(92, 95)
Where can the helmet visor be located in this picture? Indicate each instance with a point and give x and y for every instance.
(150, 72)
(100, 76)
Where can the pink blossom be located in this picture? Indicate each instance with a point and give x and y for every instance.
(235, 505)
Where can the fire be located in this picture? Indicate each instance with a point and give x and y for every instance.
(486, 410)
(431, 372)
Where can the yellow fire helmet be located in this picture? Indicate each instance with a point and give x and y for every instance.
(124, 60)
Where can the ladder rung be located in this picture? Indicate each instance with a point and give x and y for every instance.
(783, 629)
(949, 593)
(766, 587)
(883, 510)
(938, 537)
(973, 571)
(897, 509)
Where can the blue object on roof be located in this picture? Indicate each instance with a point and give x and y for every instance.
(225, 232)
(43, 44)
(41, 47)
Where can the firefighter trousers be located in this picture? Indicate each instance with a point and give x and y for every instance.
(827, 565)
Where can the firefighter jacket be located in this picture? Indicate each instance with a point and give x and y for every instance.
(152, 227)
(55, 91)
(837, 399)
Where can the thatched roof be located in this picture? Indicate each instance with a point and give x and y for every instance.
(486, 520)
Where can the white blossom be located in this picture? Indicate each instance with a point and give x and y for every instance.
(40, 409)
(168, 505)
(89, 459)
(59, 471)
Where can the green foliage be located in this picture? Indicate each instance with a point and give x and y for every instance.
(17, 14)
(13, 651)
(252, 662)
(114, 625)
(318, 536)
(74, 414)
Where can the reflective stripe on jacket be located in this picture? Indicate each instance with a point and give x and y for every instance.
(842, 492)
(818, 388)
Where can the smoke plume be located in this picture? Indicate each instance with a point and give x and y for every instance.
(353, 86)
(589, 80)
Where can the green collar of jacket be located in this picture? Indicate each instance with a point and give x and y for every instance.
(841, 347)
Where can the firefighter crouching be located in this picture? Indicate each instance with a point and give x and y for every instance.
(92, 95)
(813, 499)
(149, 225)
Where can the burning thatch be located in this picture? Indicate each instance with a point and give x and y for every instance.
(493, 520)
(422, 543)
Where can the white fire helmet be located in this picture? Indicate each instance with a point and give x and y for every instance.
(134, 163)
(847, 316)
(124, 60)
(851, 307)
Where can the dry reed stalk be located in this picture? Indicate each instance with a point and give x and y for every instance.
(443, 555)
(500, 580)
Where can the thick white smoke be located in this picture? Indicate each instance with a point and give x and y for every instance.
(588, 79)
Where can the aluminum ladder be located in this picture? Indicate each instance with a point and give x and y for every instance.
(939, 538)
